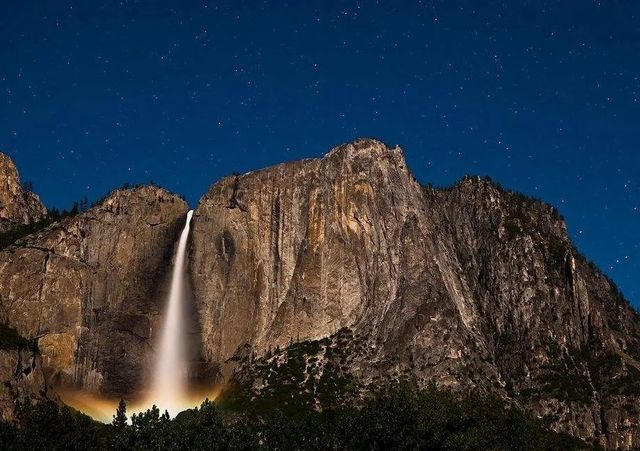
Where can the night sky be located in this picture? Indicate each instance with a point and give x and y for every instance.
(544, 97)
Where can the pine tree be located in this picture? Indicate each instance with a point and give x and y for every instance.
(84, 204)
(120, 418)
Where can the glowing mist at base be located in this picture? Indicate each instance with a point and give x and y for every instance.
(169, 385)
(102, 408)
(169, 389)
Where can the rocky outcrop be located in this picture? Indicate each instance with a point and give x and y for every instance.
(565, 342)
(22, 380)
(471, 286)
(17, 205)
(86, 288)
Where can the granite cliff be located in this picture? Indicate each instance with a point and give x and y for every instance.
(85, 289)
(470, 286)
(21, 373)
(18, 205)
(340, 271)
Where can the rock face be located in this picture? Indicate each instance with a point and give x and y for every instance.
(471, 286)
(22, 379)
(375, 276)
(86, 288)
(17, 205)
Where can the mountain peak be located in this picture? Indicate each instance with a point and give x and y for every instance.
(369, 148)
(7, 166)
(18, 205)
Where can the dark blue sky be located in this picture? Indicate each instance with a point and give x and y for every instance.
(544, 97)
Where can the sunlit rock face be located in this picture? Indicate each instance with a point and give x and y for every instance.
(300, 250)
(86, 289)
(470, 286)
(17, 205)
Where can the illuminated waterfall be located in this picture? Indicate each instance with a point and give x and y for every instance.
(169, 385)
(169, 389)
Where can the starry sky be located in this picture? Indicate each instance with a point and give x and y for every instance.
(543, 96)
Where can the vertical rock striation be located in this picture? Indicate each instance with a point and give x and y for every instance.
(565, 342)
(471, 286)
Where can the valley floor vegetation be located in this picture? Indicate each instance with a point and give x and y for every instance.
(398, 417)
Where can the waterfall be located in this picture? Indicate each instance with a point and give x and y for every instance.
(169, 385)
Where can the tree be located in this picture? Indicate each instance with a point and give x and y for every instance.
(121, 434)
(120, 418)
(84, 204)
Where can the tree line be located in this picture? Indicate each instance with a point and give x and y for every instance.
(397, 417)
(53, 215)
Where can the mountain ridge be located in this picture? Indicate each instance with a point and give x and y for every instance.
(467, 286)
(470, 286)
